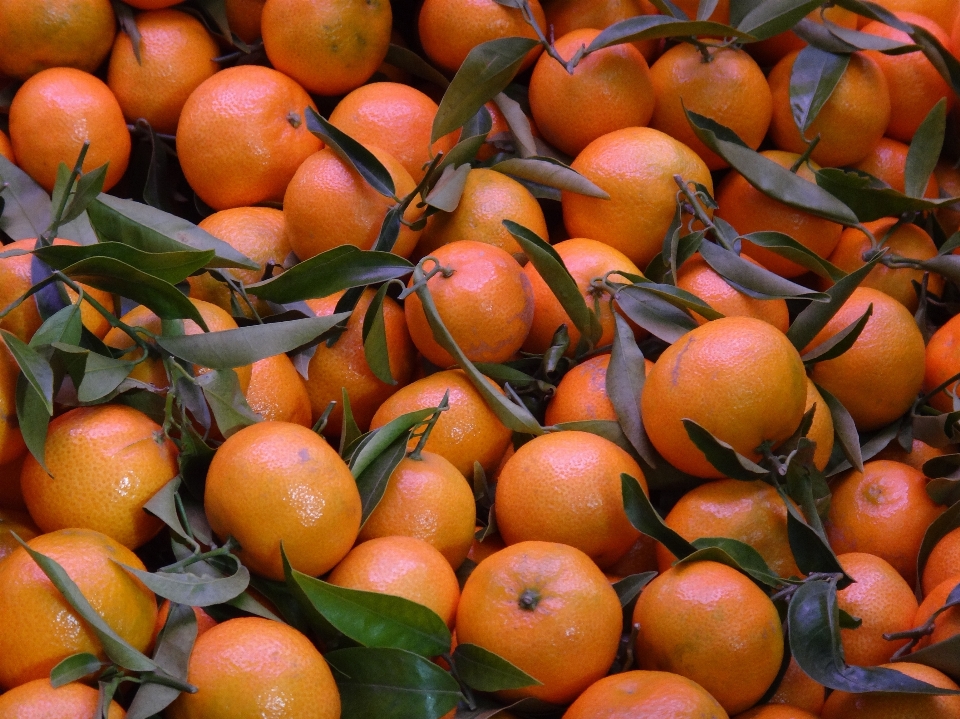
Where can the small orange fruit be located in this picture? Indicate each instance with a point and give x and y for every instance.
(776, 711)
(947, 624)
(709, 623)
(887, 161)
(645, 695)
(797, 689)
(920, 453)
(485, 302)
(244, 17)
(12, 446)
(14, 521)
(71, 107)
(277, 391)
(943, 562)
(39, 699)
(821, 430)
(891, 705)
(759, 397)
(547, 609)
(942, 362)
(404, 567)
(582, 394)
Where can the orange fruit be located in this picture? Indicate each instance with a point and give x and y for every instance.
(697, 277)
(882, 599)
(821, 430)
(151, 4)
(887, 161)
(711, 624)
(568, 15)
(39, 34)
(486, 304)
(244, 17)
(890, 705)
(943, 562)
(6, 149)
(614, 83)
(851, 121)
(586, 260)
(920, 453)
(397, 118)
(641, 557)
(759, 397)
(39, 700)
(942, 12)
(12, 446)
(246, 666)
(948, 178)
(582, 394)
(450, 29)
(776, 711)
(277, 391)
(751, 512)
(914, 83)
(942, 362)
(328, 204)
(884, 510)
(635, 166)
(547, 609)
(11, 497)
(749, 210)
(878, 378)
(276, 482)
(242, 135)
(467, 432)
(799, 690)
(426, 498)
(14, 521)
(105, 463)
(344, 366)
(645, 695)
(404, 567)
(489, 197)
(40, 629)
(727, 86)
(353, 39)
(946, 624)
(480, 550)
(770, 51)
(71, 107)
(176, 55)
(565, 487)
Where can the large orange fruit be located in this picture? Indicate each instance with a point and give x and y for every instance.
(947, 624)
(941, 363)
(943, 562)
(797, 689)
(645, 695)
(890, 705)
(888, 162)
(277, 391)
(39, 700)
(582, 394)
(821, 430)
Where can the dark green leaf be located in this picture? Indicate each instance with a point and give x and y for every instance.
(787, 247)
(869, 198)
(840, 342)
(74, 668)
(352, 153)
(650, 27)
(27, 208)
(733, 553)
(172, 267)
(518, 123)
(943, 655)
(349, 431)
(221, 389)
(752, 279)
(162, 505)
(846, 430)
(408, 60)
(472, 138)
(89, 185)
(380, 440)
(35, 368)
(645, 519)
(101, 376)
(856, 40)
(33, 420)
(446, 193)
(63, 326)
(174, 644)
(375, 338)
(925, 150)
(484, 671)
(940, 57)
(372, 481)
(550, 172)
(192, 589)
(654, 314)
(805, 533)
(938, 529)
(628, 588)
(775, 16)
(624, 384)
(721, 455)
(814, 77)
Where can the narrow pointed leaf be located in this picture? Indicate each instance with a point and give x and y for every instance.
(840, 342)
(721, 455)
(375, 338)
(221, 390)
(27, 208)
(550, 172)
(74, 668)
(35, 368)
(484, 671)
(758, 281)
(174, 645)
(172, 267)
(775, 16)
(925, 150)
(353, 153)
(814, 77)
(629, 588)
(624, 384)
(645, 519)
(446, 193)
(192, 589)
(651, 27)
(869, 198)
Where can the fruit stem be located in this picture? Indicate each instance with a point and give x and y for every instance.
(529, 599)
(805, 157)
(423, 430)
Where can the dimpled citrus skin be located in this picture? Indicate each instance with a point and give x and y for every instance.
(276, 482)
(582, 394)
(251, 668)
(821, 430)
(759, 396)
(645, 695)
(277, 391)
(565, 487)
(39, 700)
(797, 689)
(549, 610)
(39, 627)
(941, 363)
(887, 705)
(106, 462)
(712, 624)
(888, 161)
(943, 562)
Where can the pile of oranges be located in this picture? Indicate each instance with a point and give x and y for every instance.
(479, 358)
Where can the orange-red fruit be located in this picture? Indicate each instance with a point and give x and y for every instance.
(40, 700)
(582, 394)
(890, 705)
(947, 623)
(942, 362)
(645, 695)
(943, 562)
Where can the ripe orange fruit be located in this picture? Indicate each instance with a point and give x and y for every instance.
(770, 51)
(914, 83)
(582, 394)
(480, 550)
(888, 162)
(450, 29)
(151, 4)
(250, 664)
(39, 628)
(6, 149)
(821, 430)
(567, 613)
(105, 463)
(429, 499)
(328, 46)
(467, 432)
(946, 624)
(711, 624)
(486, 303)
(635, 166)
(586, 260)
(884, 510)
(39, 34)
(751, 512)
(890, 705)
(697, 277)
(850, 123)
(882, 599)
(489, 197)
(920, 453)
(645, 695)
(942, 362)
(759, 396)
(726, 85)
(13, 520)
(796, 689)
(242, 135)
(948, 178)
(244, 17)
(943, 562)
(749, 210)
(902, 240)
(71, 107)
(10, 495)
(276, 482)
(942, 12)
(568, 15)
(277, 391)
(176, 55)
(344, 366)
(878, 378)
(329, 204)
(11, 440)
(397, 118)
(776, 711)
(39, 700)
(641, 557)
(404, 567)
(615, 82)
(565, 487)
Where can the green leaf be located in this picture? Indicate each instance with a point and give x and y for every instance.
(64, 326)
(518, 124)
(814, 77)
(372, 481)
(751, 279)
(943, 655)
(448, 190)
(845, 429)
(486, 71)
(380, 439)
(644, 518)
(925, 150)
(484, 671)
(654, 314)
(775, 16)
(938, 529)
(172, 267)
(628, 588)
(940, 57)
(550, 172)
(35, 368)
(89, 185)
(163, 506)
(74, 668)
(624, 384)
(353, 153)
(721, 455)
(192, 589)
(375, 348)
(838, 344)
(869, 198)
(733, 553)
(27, 207)
(102, 376)
(221, 389)
(787, 247)
(408, 60)
(651, 27)
(805, 533)
(472, 137)
(174, 644)
(349, 431)
(33, 419)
